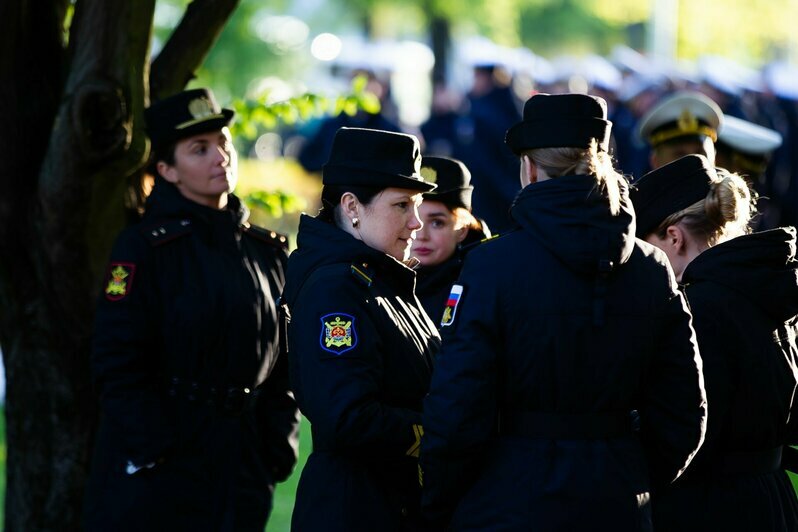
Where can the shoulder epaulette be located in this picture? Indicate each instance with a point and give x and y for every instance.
(270, 237)
(362, 272)
(472, 245)
(167, 231)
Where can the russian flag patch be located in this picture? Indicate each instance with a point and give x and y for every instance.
(451, 305)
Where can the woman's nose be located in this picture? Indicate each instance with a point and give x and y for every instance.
(415, 222)
(224, 155)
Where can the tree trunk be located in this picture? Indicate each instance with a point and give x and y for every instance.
(72, 135)
(440, 38)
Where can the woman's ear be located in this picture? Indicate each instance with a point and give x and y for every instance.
(675, 239)
(168, 172)
(349, 205)
(529, 171)
(461, 234)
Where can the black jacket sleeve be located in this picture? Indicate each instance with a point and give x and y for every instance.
(278, 421)
(124, 353)
(674, 413)
(338, 388)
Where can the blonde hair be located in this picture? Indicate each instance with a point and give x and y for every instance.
(562, 161)
(725, 213)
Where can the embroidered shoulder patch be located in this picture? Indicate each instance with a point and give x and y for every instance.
(451, 305)
(338, 334)
(120, 280)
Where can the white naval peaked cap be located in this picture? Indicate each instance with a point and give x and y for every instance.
(683, 113)
(747, 137)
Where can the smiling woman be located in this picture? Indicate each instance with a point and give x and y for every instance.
(360, 344)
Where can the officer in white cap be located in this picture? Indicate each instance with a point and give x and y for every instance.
(684, 123)
(745, 148)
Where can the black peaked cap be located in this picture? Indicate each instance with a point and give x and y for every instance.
(561, 120)
(669, 189)
(375, 158)
(452, 178)
(183, 115)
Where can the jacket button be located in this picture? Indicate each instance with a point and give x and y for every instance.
(155, 233)
(404, 512)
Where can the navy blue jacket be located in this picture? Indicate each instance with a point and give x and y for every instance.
(569, 380)
(186, 322)
(361, 350)
(744, 297)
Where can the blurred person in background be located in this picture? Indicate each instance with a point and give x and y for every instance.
(746, 149)
(682, 123)
(492, 109)
(315, 151)
(569, 382)
(360, 344)
(447, 131)
(743, 292)
(448, 229)
(636, 96)
(197, 422)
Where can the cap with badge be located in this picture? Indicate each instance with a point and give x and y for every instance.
(375, 158)
(744, 146)
(669, 189)
(682, 114)
(452, 178)
(561, 120)
(183, 115)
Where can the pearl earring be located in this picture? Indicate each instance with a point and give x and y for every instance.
(355, 221)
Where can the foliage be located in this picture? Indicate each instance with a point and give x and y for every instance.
(256, 114)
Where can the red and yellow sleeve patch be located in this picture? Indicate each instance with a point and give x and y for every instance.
(119, 280)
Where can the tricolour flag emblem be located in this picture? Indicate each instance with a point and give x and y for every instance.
(451, 305)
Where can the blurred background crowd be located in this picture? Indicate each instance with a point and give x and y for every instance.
(457, 77)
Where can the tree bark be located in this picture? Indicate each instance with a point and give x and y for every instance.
(72, 135)
(189, 45)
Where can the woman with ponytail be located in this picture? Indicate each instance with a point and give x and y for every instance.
(743, 292)
(568, 381)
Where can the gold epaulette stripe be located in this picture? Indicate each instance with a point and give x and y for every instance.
(362, 274)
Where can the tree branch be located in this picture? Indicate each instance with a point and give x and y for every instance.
(188, 46)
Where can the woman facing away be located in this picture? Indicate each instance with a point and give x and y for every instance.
(569, 382)
(743, 292)
(360, 344)
(449, 230)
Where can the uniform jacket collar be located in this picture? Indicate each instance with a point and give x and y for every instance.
(166, 201)
(320, 243)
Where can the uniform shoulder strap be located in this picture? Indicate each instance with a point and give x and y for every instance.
(264, 235)
(158, 234)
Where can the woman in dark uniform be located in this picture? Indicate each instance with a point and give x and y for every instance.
(569, 382)
(743, 292)
(449, 230)
(360, 344)
(197, 422)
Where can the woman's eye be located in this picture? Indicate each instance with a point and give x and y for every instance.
(200, 150)
(402, 205)
(437, 224)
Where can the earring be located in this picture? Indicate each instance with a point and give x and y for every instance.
(355, 221)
